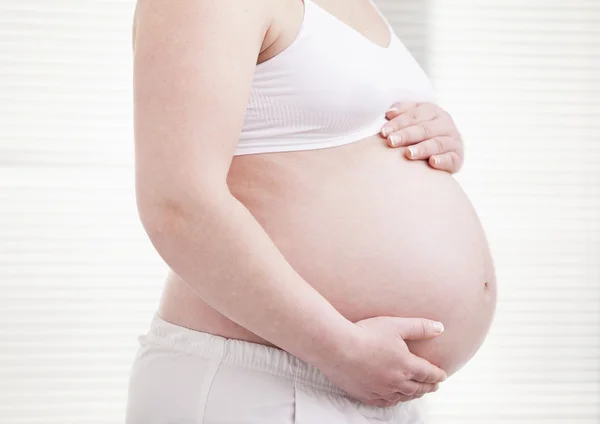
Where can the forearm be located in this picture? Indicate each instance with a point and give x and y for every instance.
(222, 252)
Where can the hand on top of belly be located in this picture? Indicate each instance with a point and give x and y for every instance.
(429, 130)
(376, 366)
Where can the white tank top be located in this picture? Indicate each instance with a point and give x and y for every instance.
(330, 87)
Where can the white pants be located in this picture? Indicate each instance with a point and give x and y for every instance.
(182, 376)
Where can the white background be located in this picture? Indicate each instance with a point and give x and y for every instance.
(79, 280)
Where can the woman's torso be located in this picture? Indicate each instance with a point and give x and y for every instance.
(373, 232)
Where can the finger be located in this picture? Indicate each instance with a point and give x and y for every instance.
(394, 397)
(433, 146)
(398, 108)
(405, 107)
(423, 371)
(415, 388)
(398, 397)
(449, 161)
(408, 118)
(418, 328)
(378, 402)
(406, 398)
(421, 131)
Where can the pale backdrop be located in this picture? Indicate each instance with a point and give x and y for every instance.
(79, 280)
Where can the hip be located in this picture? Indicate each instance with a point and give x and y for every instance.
(182, 375)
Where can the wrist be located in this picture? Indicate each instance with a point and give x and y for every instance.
(332, 344)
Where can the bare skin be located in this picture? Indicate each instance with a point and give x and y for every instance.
(328, 253)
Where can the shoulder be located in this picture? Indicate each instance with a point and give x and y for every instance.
(220, 15)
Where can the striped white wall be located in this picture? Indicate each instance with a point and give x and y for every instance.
(78, 277)
(79, 280)
(522, 79)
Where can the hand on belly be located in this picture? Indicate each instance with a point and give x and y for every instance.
(430, 132)
(376, 365)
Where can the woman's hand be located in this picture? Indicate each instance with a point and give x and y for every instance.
(376, 366)
(429, 131)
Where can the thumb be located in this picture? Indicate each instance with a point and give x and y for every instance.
(419, 328)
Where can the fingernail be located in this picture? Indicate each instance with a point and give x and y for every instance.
(385, 131)
(395, 139)
(412, 152)
(438, 327)
(392, 109)
(436, 160)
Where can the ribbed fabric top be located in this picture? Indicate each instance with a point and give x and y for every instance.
(330, 87)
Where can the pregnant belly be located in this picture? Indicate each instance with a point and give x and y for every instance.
(377, 234)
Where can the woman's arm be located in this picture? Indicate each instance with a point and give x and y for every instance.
(193, 68)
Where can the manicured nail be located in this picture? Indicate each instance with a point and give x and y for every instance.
(385, 131)
(438, 327)
(395, 139)
(412, 152)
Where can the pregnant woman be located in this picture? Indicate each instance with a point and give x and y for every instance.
(311, 262)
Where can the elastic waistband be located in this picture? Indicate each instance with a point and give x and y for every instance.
(237, 352)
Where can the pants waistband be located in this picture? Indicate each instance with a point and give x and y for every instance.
(241, 353)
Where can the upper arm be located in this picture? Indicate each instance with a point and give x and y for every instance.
(194, 62)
